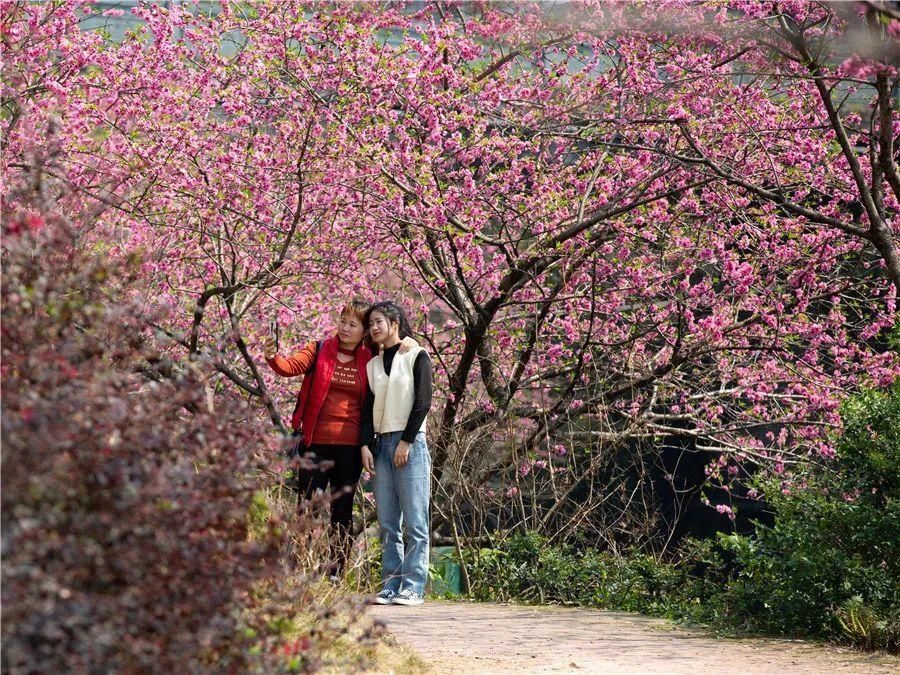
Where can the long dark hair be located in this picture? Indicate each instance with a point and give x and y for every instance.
(393, 313)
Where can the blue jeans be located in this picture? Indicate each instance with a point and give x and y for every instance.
(402, 498)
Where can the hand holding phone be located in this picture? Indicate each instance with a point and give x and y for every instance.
(272, 343)
(274, 333)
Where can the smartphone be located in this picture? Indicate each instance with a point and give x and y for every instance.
(273, 331)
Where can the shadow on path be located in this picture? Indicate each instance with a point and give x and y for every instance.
(459, 637)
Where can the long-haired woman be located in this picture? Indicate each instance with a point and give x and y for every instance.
(395, 408)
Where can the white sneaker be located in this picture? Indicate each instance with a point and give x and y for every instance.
(408, 597)
(385, 597)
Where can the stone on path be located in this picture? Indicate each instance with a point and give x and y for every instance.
(460, 637)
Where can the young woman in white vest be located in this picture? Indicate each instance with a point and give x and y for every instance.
(395, 451)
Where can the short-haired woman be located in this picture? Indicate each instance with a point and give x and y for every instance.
(328, 411)
(395, 408)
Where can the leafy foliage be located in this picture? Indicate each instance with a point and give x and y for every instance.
(834, 550)
(527, 568)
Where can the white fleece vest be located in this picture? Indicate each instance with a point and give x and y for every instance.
(394, 393)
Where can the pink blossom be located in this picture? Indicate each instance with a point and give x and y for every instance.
(725, 509)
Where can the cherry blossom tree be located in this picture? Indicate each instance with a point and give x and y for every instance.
(201, 154)
(615, 224)
(826, 156)
(598, 285)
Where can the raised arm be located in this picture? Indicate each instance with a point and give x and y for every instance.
(295, 364)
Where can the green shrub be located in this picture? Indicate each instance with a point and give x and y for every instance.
(834, 539)
(527, 568)
(829, 566)
(868, 628)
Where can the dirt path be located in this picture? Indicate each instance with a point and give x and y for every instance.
(457, 637)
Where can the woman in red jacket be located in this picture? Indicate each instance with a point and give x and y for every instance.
(327, 417)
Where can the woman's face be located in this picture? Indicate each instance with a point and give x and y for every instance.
(350, 329)
(381, 328)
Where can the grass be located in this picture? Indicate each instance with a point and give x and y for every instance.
(331, 632)
(316, 626)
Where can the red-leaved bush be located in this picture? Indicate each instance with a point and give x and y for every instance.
(126, 484)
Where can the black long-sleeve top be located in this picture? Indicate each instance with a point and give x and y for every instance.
(422, 389)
